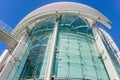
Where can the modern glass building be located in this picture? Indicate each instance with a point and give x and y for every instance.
(61, 41)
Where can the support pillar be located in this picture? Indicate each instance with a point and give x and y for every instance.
(105, 55)
(50, 62)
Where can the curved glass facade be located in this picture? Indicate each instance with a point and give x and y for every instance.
(76, 55)
(61, 41)
(40, 38)
(112, 52)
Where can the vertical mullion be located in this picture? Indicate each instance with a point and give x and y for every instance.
(48, 73)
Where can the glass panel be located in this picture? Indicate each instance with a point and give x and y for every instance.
(40, 37)
(112, 53)
(77, 56)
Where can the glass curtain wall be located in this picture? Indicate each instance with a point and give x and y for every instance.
(112, 52)
(40, 38)
(76, 54)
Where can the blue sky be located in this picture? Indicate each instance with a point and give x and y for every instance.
(12, 11)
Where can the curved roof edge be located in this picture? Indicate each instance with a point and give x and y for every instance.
(62, 8)
(108, 36)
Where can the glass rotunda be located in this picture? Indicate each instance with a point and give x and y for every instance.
(62, 41)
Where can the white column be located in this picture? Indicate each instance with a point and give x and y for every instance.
(48, 73)
(105, 55)
(112, 45)
(8, 38)
(4, 57)
(13, 58)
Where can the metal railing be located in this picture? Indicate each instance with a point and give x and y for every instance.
(5, 27)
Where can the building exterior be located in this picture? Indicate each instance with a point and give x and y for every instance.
(60, 41)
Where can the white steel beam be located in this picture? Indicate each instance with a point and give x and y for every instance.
(13, 58)
(106, 58)
(50, 62)
(8, 39)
